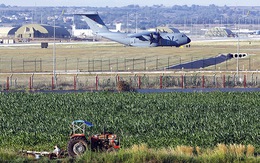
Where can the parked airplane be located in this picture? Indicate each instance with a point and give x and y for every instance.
(143, 39)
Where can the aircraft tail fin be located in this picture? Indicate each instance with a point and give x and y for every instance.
(95, 23)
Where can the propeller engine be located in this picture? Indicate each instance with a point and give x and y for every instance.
(155, 37)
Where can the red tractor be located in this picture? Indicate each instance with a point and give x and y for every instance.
(79, 142)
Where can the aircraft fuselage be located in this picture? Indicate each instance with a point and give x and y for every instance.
(142, 39)
(167, 39)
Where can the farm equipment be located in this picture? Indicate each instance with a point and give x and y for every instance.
(51, 155)
(80, 142)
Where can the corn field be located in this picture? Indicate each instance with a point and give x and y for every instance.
(41, 120)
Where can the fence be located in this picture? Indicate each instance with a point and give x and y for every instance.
(12, 65)
(109, 82)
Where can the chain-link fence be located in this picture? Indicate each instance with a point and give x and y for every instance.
(12, 65)
(144, 81)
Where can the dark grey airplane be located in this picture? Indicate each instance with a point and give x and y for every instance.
(143, 39)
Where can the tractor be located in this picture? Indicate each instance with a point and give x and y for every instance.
(80, 142)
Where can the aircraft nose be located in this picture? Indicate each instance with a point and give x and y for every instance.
(188, 40)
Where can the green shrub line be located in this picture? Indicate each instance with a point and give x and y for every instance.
(38, 121)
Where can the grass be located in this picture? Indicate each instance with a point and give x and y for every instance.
(139, 153)
(188, 139)
(142, 154)
(81, 56)
(113, 57)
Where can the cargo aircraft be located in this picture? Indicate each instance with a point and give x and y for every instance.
(142, 39)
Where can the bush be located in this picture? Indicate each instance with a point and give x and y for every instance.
(123, 86)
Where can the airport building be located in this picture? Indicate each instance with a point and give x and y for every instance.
(88, 33)
(32, 31)
(81, 33)
(219, 32)
(7, 34)
(167, 30)
(7, 31)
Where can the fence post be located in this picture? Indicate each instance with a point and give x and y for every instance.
(109, 65)
(7, 83)
(35, 65)
(77, 64)
(88, 64)
(66, 63)
(252, 80)
(52, 83)
(75, 83)
(41, 64)
(157, 63)
(96, 82)
(118, 78)
(182, 81)
(168, 62)
(256, 82)
(117, 64)
(133, 64)
(215, 81)
(23, 65)
(139, 82)
(101, 65)
(11, 65)
(125, 64)
(244, 81)
(203, 81)
(160, 82)
(30, 83)
(144, 63)
(224, 80)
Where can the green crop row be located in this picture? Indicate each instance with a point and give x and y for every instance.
(40, 120)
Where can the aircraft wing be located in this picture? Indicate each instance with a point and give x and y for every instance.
(144, 36)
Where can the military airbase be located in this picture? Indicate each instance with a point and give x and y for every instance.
(100, 65)
(168, 84)
(221, 53)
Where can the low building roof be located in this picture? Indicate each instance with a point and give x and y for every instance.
(40, 30)
(167, 30)
(4, 31)
(219, 32)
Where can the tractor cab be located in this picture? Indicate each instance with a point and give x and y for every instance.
(79, 127)
(79, 142)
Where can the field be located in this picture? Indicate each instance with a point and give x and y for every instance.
(105, 56)
(38, 121)
(107, 59)
(163, 127)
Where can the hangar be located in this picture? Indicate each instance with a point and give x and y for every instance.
(30, 31)
(7, 34)
(219, 32)
(7, 31)
(167, 30)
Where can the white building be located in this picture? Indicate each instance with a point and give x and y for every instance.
(81, 33)
(118, 28)
(87, 33)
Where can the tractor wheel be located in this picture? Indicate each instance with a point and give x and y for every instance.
(77, 146)
(111, 149)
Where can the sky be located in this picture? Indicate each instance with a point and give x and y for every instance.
(120, 3)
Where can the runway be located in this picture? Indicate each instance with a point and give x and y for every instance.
(51, 43)
(195, 39)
